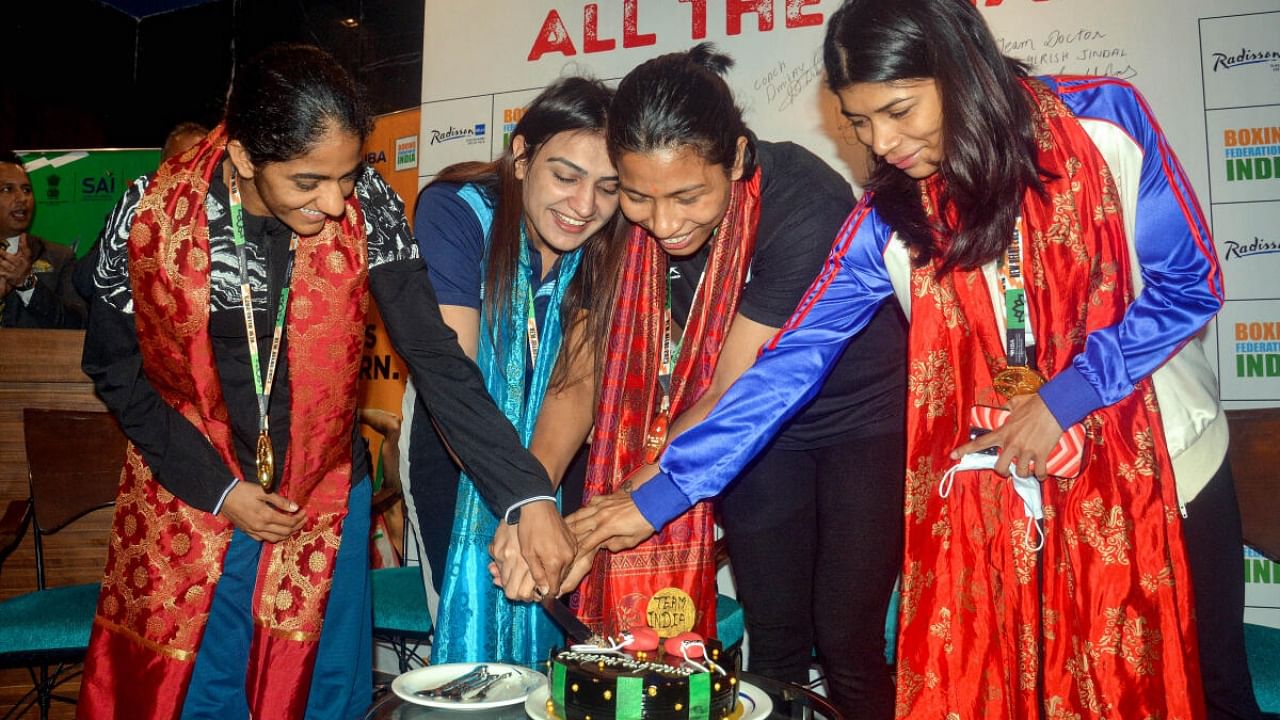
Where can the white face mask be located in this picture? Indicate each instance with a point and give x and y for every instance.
(1027, 488)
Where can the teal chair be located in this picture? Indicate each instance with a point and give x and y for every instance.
(729, 623)
(400, 617)
(1263, 646)
(74, 460)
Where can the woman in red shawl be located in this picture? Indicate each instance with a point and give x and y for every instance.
(229, 315)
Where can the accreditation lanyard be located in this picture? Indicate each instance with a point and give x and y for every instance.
(261, 386)
(656, 439)
(531, 325)
(1018, 335)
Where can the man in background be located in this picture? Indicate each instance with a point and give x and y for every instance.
(35, 275)
(182, 136)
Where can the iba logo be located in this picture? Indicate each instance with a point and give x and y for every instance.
(1252, 153)
(1257, 349)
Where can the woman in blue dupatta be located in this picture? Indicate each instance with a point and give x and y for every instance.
(513, 249)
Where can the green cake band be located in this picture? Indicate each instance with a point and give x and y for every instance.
(700, 696)
(630, 697)
(557, 686)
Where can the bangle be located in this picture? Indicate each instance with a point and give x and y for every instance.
(512, 516)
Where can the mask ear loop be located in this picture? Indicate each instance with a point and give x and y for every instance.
(1038, 531)
(948, 479)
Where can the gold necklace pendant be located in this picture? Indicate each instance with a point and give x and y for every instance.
(266, 461)
(1017, 380)
(655, 440)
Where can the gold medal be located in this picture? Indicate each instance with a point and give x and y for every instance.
(671, 612)
(266, 461)
(1017, 380)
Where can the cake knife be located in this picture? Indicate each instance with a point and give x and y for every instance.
(565, 618)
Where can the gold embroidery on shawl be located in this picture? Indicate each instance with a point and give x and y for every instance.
(991, 502)
(1024, 558)
(1028, 658)
(140, 566)
(943, 296)
(1106, 530)
(1102, 282)
(1152, 582)
(942, 528)
(1056, 711)
(1065, 227)
(166, 650)
(1144, 460)
(1110, 203)
(914, 583)
(909, 686)
(919, 488)
(1078, 666)
(1134, 639)
(291, 572)
(942, 630)
(931, 383)
(1050, 622)
(966, 590)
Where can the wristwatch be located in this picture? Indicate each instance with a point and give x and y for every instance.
(28, 284)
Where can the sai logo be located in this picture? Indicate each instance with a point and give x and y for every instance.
(407, 152)
(94, 187)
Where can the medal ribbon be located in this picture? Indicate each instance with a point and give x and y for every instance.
(262, 387)
(531, 325)
(670, 350)
(660, 427)
(1018, 335)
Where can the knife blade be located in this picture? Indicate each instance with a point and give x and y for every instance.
(564, 617)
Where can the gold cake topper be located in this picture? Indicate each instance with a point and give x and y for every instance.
(671, 612)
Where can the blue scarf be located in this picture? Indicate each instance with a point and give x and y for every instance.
(476, 622)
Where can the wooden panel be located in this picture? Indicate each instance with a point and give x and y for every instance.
(41, 368)
(1255, 464)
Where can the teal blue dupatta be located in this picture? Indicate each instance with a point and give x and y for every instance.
(476, 622)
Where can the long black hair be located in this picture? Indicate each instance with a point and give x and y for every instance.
(989, 146)
(285, 98)
(680, 100)
(570, 104)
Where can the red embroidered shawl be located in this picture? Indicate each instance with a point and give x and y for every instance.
(165, 557)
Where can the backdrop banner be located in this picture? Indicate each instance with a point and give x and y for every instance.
(392, 150)
(75, 189)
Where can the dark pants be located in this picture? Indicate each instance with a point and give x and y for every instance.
(1214, 550)
(815, 538)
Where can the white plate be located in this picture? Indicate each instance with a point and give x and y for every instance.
(507, 691)
(755, 702)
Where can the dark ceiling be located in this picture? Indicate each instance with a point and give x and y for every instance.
(121, 73)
